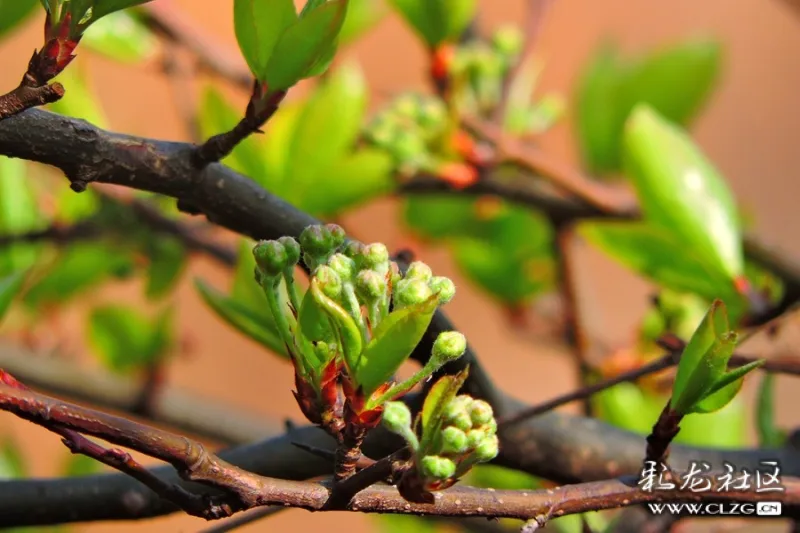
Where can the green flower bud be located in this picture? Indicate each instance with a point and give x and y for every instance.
(354, 250)
(270, 257)
(456, 413)
(330, 282)
(475, 437)
(444, 288)
(432, 115)
(370, 286)
(407, 106)
(487, 449)
(454, 441)
(419, 270)
(408, 146)
(337, 235)
(397, 417)
(376, 257)
(481, 413)
(315, 240)
(383, 130)
(411, 291)
(487, 64)
(292, 248)
(508, 41)
(435, 467)
(343, 266)
(448, 346)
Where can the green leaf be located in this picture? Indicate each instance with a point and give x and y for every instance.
(259, 25)
(19, 214)
(125, 339)
(9, 288)
(326, 130)
(122, 37)
(654, 252)
(501, 477)
(349, 182)
(769, 434)
(704, 359)
(348, 332)
(14, 13)
(439, 395)
(313, 325)
(217, 115)
(168, 259)
(303, 43)
(76, 269)
(362, 15)
(437, 21)
(392, 343)
(12, 464)
(725, 389)
(242, 318)
(104, 7)
(405, 523)
(512, 280)
(244, 288)
(676, 82)
(681, 191)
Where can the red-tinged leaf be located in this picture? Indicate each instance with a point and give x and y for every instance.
(11, 381)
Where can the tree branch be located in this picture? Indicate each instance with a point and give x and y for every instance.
(194, 463)
(29, 93)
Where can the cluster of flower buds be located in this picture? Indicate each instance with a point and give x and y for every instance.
(457, 432)
(359, 320)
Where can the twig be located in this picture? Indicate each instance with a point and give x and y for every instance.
(194, 463)
(663, 433)
(28, 94)
(588, 391)
(192, 504)
(56, 233)
(244, 520)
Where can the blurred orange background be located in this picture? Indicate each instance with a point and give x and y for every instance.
(750, 130)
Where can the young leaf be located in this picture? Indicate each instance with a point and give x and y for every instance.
(303, 43)
(347, 329)
(259, 25)
(392, 343)
(362, 15)
(121, 37)
(125, 339)
(439, 395)
(79, 465)
(437, 21)
(168, 259)
(655, 253)
(242, 318)
(681, 191)
(19, 213)
(724, 389)
(9, 288)
(313, 325)
(12, 464)
(102, 8)
(704, 359)
(769, 434)
(13, 13)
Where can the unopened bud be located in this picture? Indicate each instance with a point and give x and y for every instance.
(292, 248)
(419, 270)
(343, 266)
(337, 235)
(396, 417)
(444, 288)
(270, 257)
(508, 41)
(354, 250)
(411, 291)
(370, 286)
(315, 240)
(376, 257)
(487, 449)
(454, 440)
(481, 413)
(329, 282)
(448, 346)
(436, 467)
(456, 413)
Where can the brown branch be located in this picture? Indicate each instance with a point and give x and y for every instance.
(251, 490)
(246, 519)
(26, 96)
